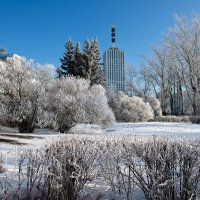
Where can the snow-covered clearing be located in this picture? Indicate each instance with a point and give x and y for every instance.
(43, 136)
(148, 129)
(156, 128)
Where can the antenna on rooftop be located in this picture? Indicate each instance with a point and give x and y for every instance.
(113, 35)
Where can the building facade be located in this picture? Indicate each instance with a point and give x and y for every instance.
(114, 67)
(113, 60)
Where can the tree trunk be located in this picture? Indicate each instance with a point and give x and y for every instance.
(172, 104)
(25, 127)
(64, 128)
(181, 112)
(194, 104)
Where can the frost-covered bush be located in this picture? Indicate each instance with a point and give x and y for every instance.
(162, 168)
(155, 105)
(77, 167)
(30, 96)
(165, 168)
(171, 118)
(195, 119)
(60, 171)
(74, 101)
(22, 89)
(71, 164)
(130, 109)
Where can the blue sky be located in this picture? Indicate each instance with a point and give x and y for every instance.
(39, 29)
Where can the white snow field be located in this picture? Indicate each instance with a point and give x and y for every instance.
(156, 128)
(21, 142)
(42, 136)
(145, 129)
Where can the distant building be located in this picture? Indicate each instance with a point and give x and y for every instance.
(114, 67)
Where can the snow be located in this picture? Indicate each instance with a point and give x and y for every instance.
(156, 128)
(43, 136)
(146, 129)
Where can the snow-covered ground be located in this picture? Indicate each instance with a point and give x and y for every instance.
(156, 128)
(148, 129)
(11, 141)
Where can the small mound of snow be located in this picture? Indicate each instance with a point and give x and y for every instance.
(91, 129)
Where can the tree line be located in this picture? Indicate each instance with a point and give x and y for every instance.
(31, 97)
(172, 73)
(82, 63)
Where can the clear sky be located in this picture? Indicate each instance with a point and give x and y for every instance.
(39, 29)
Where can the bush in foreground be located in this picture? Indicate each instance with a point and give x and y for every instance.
(70, 168)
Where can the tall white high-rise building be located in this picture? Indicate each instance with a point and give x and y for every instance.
(114, 67)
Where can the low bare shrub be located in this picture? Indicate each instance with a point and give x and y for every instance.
(171, 118)
(112, 168)
(162, 168)
(71, 163)
(57, 172)
(195, 119)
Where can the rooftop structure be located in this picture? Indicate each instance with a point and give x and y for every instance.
(113, 66)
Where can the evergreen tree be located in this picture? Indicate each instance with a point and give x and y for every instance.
(78, 63)
(83, 64)
(87, 57)
(68, 59)
(91, 56)
(96, 71)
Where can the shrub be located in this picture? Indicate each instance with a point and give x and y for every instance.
(155, 105)
(165, 168)
(71, 167)
(195, 119)
(73, 101)
(171, 118)
(130, 109)
(59, 171)
(71, 163)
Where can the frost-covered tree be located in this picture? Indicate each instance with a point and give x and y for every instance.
(183, 43)
(22, 89)
(130, 109)
(155, 105)
(173, 70)
(74, 101)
